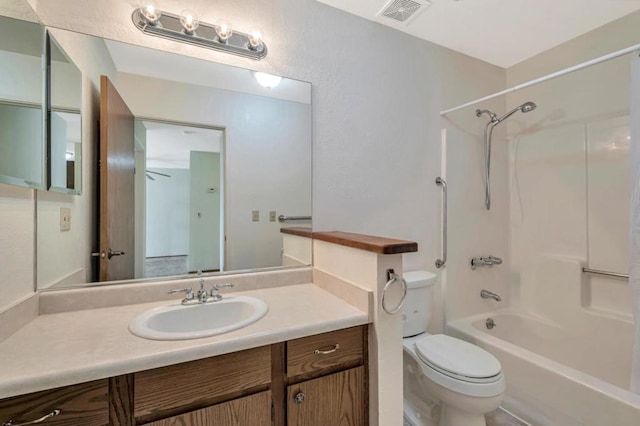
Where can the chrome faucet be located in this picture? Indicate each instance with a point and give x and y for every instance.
(202, 296)
(485, 261)
(486, 294)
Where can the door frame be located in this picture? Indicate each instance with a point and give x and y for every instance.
(223, 176)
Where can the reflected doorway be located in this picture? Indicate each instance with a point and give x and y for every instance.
(179, 198)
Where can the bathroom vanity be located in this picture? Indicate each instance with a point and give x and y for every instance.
(304, 363)
(316, 380)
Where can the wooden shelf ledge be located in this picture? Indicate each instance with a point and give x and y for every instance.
(380, 245)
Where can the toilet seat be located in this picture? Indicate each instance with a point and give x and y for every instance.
(458, 359)
(463, 380)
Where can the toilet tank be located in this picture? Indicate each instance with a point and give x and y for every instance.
(416, 311)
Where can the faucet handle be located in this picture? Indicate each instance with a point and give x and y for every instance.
(214, 290)
(188, 292)
(222, 285)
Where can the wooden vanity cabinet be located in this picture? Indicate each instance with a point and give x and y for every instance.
(313, 381)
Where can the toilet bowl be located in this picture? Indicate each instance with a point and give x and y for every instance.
(466, 380)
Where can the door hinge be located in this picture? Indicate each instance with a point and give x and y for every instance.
(273, 413)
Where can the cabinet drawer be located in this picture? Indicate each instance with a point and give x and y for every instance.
(86, 404)
(254, 410)
(172, 390)
(329, 351)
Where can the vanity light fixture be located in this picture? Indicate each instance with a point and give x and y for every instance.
(186, 28)
(268, 81)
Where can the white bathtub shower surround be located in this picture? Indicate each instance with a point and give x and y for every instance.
(634, 251)
(558, 376)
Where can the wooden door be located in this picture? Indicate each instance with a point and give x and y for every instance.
(336, 400)
(254, 410)
(117, 166)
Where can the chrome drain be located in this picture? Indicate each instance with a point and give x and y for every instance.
(490, 323)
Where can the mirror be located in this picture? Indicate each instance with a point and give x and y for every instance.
(206, 157)
(21, 116)
(64, 98)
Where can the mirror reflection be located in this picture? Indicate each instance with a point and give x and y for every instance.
(65, 134)
(197, 161)
(182, 184)
(21, 117)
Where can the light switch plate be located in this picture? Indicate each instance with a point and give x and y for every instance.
(272, 216)
(65, 219)
(255, 215)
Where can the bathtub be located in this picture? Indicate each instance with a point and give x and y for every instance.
(560, 376)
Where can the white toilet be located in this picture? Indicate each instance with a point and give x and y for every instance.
(465, 379)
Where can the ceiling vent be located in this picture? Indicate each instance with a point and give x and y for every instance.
(404, 11)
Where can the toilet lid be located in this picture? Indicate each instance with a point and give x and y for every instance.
(457, 357)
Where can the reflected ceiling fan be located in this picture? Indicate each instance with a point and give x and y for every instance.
(148, 173)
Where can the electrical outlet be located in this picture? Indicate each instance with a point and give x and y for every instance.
(272, 216)
(65, 219)
(255, 215)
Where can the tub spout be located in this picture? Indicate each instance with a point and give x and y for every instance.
(486, 294)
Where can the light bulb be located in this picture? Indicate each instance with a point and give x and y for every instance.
(267, 80)
(189, 21)
(255, 38)
(223, 30)
(150, 11)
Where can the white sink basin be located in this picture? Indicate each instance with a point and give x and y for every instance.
(180, 322)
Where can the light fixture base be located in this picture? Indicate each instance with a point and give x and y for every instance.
(169, 27)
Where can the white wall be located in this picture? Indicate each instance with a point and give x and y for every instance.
(267, 157)
(570, 171)
(17, 230)
(167, 211)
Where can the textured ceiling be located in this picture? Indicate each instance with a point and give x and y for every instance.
(501, 32)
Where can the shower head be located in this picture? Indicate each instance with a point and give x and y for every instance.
(525, 107)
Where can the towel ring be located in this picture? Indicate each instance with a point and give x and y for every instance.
(393, 277)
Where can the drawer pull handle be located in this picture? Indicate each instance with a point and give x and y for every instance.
(327, 350)
(299, 398)
(40, 420)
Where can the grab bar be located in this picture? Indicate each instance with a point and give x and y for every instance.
(605, 273)
(441, 262)
(283, 218)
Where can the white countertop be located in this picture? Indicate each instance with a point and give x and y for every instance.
(74, 347)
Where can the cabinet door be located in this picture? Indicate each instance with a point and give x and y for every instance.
(85, 404)
(254, 410)
(336, 400)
